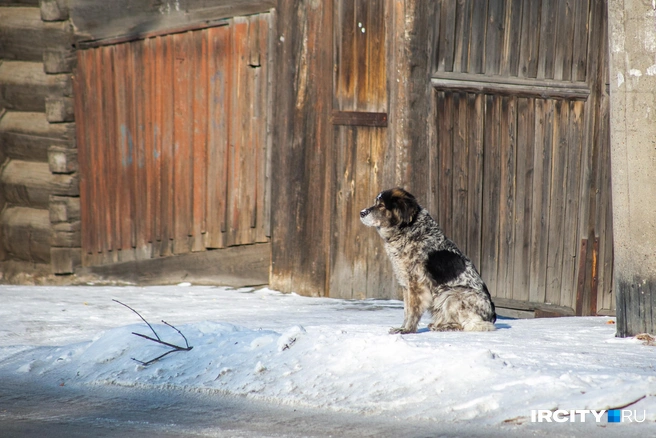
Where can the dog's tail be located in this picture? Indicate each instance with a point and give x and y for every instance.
(478, 325)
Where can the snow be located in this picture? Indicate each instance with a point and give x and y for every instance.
(330, 354)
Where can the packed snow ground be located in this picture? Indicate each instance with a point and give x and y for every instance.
(325, 353)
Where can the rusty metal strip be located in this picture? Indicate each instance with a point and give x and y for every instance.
(359, 118)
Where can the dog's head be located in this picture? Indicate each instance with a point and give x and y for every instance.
(392, 208)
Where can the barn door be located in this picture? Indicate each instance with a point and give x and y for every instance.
(173, 140)
(358, 268)
(519, 163)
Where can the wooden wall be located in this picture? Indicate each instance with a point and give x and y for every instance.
(173, 134)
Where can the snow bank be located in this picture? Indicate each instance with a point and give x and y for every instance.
(322, 353)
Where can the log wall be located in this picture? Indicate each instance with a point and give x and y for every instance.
(37, 136)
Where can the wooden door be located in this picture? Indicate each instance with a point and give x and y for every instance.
(173, 141)
(519, 156)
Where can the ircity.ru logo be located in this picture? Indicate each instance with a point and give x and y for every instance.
(581, 415)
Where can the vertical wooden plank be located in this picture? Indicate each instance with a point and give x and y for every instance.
(149, 150)
(547, 41)
(99, 146)
(157, 113)
(570, 234)
(220, 77)
(140, 190)
(459, 195)
(491, 194)
(123, 114)
(345, 34)
(462, 36)
(199, 142)
(445, 166)
(564, 41)
(508, 146)
(82, 117)
(494, 36)
(361, 73)
(254, 137)
(477, 44)
(167, 90)
(108, 168)
(557, 203)
(530, 39)
(447, 39)
(544, 118)
(523, 198)
(262, 116)
(182, 143)
(580, 40)
(239, 154)
(363, 195)
(476, 132)
(512, 38)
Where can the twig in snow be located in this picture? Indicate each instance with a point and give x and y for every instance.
(157, 339)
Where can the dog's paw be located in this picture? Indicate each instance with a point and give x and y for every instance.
(399, 331)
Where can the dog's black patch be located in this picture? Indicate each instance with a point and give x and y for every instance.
(444, 266)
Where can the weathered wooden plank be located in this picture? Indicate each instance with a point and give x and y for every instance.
(346, 27)
(447, 38)
(25, 37)
(65, 260)
(360, 67)
(109, 168)
(462, 35)
(363, 193)
(199, 146)
(547, 46)
(240, 152)
(182, 142)
(508, 86)
(570, 234)
(512, 38)
(149, 160)
(100, 23)
(59, 60)
(54, 10)
(220, 74)
(31, 183)
(64, 209)
(345, 247)
(557, 204)
(444, 163)
(581, 277)
(477, 44)
(28, 135)
(246, 265)
(459, 195)
(250, 183)
(564, 40)
(79, 88)
(359, 118)
(580, 40)
(507, 200)
(544, 119)
(262, 113)
(494, 35)
(529, 45)
(523, 198)
(24, 86)
(476, 132)
(65, 235)
(62, 160)
(126, 146)
(26, 233)
(491, 194)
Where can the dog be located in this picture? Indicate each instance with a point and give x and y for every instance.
(434, 274)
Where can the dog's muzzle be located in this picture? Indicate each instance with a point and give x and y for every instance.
(366, 218)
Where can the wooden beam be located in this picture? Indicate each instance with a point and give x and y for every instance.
(26, 233)
(519, 87)
(246, 265)
(29, 135)
(31, 183)
(359, 118)
(535, 307)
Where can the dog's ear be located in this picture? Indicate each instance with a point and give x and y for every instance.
(404, 206)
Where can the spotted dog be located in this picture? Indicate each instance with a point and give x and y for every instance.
(434, 274)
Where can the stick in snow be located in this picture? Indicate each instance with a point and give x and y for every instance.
(157, 339)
